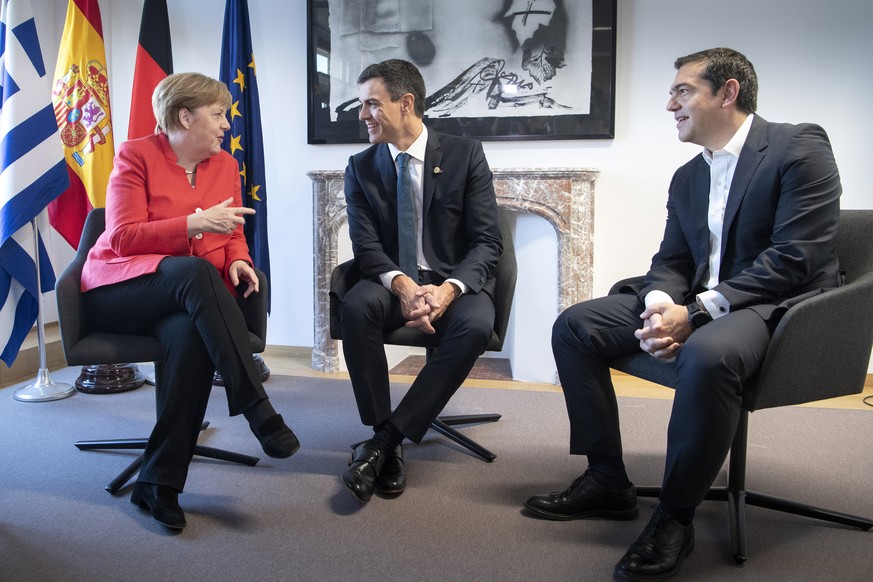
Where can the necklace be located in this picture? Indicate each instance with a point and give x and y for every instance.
(190, 172)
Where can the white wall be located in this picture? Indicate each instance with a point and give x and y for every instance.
(811, 58)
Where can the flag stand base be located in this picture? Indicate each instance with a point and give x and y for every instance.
(43, 389)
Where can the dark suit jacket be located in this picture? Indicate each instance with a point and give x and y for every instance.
(460, 226)
(778, 240)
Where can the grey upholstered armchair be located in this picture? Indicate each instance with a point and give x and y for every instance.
(84, 347)
(832, 328)
(346, 274)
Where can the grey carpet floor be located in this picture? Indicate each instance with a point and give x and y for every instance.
(460, 518)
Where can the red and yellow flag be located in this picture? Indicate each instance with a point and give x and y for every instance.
(81, 101)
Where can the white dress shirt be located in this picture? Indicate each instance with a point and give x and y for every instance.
(416, 172)
(722, 164)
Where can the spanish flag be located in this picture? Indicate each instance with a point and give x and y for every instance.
(154, 61)
(80, 96)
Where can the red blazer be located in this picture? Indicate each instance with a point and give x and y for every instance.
(147, 201)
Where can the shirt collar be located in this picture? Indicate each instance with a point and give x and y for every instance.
(416, 150)
(736, 143)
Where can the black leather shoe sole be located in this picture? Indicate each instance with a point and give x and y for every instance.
(389, 491)
(165, 515)
(612, 514)
(623, 576)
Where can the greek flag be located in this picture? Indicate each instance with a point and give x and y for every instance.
(32, 172)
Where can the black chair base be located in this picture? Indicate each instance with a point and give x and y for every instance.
(139, 444)
(443, 425)
(738, 497)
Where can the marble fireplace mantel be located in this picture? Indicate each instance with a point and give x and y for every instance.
(562, 196)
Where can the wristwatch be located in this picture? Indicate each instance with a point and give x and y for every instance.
(698, 316)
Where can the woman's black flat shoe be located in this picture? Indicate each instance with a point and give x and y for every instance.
(276, 438)
(161, 501)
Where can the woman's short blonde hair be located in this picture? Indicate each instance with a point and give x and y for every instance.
(186, 91)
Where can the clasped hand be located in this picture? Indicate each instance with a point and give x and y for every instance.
(665, 329)
(422, 305)
(219, 219)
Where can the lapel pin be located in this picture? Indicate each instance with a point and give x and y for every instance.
(437, 170)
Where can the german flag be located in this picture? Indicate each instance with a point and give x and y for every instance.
(154, 61)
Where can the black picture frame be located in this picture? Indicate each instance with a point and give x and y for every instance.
(333, 119)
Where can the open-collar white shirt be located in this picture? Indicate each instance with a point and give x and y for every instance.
(722, 165)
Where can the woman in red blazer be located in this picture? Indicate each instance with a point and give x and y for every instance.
(170, 263)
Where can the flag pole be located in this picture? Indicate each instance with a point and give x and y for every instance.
(43, 388)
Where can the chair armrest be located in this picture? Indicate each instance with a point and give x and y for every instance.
(505, 277)
(342, 278)
(71, 309)
(254, 310)
(820, 349)
(630, 283)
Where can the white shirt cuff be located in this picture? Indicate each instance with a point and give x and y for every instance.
(656, 296)
(715, 303)
(386, 278)
(460, 285)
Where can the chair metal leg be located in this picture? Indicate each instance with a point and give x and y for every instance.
(222, 455)
(442, 425)
(737, 515)
(469, 418)
(736, 488)
(786, 506)
(124, 476)
(120, 444)
(139, 444)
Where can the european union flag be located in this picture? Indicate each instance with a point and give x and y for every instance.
(246, 142)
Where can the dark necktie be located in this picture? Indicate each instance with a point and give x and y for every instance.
(406, 232)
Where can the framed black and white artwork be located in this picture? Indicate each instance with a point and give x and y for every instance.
(494, 69)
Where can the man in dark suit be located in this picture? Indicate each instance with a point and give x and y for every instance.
(750, 231)
(445, 287)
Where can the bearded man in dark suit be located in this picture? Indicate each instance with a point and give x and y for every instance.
(445, 287)
(751, 225)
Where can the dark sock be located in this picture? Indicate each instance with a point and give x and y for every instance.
(387, 437)
(683, 515)
(609, 471)
(257, 414)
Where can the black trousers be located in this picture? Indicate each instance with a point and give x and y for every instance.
(186, 305)
(367, 311)
(712, 367)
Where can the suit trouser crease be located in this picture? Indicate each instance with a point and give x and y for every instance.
(369, 310)
(712, 367)
(186, 305)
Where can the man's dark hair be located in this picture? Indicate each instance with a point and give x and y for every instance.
(400, 77)
(723, 64)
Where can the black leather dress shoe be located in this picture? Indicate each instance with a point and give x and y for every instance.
(161, 501)
(277, 440)
(584, 498)
(367, 463)
(658, 552)
(392, 477)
